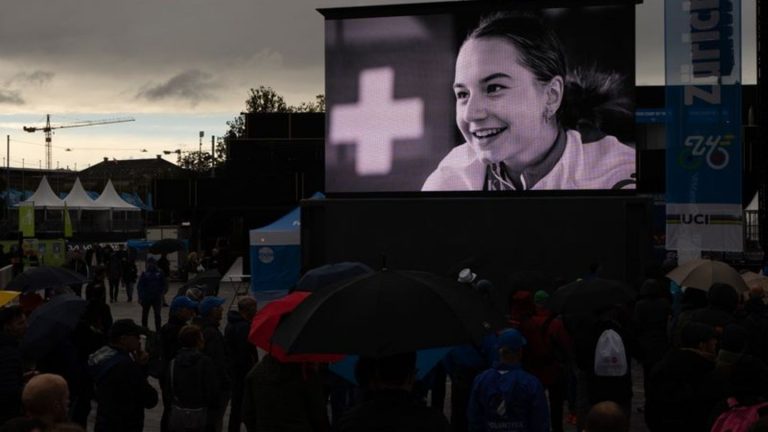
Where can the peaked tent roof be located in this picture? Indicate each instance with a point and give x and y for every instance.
(110, 199)
(44, 197)
(284, 231)
(78, 198)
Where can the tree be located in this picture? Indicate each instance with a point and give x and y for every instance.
(317, 106)
(263, 99)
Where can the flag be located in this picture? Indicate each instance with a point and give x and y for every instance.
(67, 222)
(27, 220)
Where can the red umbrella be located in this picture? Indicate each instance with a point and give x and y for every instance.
(265, 322)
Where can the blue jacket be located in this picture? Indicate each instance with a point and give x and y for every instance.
(151, 285)
(505, 398)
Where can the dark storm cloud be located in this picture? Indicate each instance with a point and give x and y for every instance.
(192, 86)
(10, 97)
(37, 78)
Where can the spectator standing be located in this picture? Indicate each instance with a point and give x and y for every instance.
(164, 265)
(391, 405)
(243, 354)
(77, 264)
(129, 274)
(182, 310)
(152, 284)
(13, 326)
(545, 355)
(192, 380)
(210, 314)
(114, 272)
(287, 397)
(122, 390)
(681, 390)
(505, 397)
(652, 315)
(91, 333)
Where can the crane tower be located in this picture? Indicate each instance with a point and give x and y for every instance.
(48, 128)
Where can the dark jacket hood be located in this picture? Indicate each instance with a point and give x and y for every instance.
(687, 364)
(234, 317)
(188, 357)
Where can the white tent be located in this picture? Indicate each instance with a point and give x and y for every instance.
(78, 199)
(44, 197)
(754, 205)
(109, 199)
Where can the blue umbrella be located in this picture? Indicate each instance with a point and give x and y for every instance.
(330, 274)
(426, 359)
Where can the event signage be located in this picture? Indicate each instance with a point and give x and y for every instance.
(703, 93)
(27, 219)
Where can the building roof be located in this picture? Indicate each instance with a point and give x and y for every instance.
(136, 169)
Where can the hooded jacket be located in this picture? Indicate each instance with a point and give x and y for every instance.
(195, 383)
(122, 391)
(681, 392)
(284, 397)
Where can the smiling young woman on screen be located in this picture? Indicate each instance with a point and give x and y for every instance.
(527, 122)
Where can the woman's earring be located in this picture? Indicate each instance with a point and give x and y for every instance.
(547, 114)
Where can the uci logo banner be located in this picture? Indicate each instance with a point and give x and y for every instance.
(703, 93)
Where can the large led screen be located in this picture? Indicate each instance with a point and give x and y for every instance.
(468, 97)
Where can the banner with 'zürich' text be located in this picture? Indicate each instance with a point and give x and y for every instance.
(703, 93)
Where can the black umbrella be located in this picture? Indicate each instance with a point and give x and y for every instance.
(167, 246)
(50, 322)
(44, 277)
(331, 274)
(586, 297)
(208, 281)
(387, 312)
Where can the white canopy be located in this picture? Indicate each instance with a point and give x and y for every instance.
(44, 197)
(110, 199)
(77, 198)
(754, 205)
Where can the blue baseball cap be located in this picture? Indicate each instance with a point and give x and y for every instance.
(208, 303)
(511, 339)
(183, 302)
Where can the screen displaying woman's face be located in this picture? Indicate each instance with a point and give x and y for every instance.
(499, 103)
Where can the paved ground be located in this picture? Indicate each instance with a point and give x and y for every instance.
(123, 309)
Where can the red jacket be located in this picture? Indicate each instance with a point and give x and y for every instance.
(548, 344)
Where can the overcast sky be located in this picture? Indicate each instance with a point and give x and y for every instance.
(180, 67)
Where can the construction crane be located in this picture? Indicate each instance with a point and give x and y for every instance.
(48, 128)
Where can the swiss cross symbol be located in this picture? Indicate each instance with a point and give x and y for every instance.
(376, 121)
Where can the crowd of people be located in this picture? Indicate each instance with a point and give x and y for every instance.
(703, 356)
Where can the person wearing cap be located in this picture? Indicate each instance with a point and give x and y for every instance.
(545, 355)
(210, 313)
(182, 310)
(119, 374)
(505, 397)
(682, 391)
(151, 287)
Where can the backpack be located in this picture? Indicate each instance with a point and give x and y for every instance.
(738, 418)
(610, 355)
